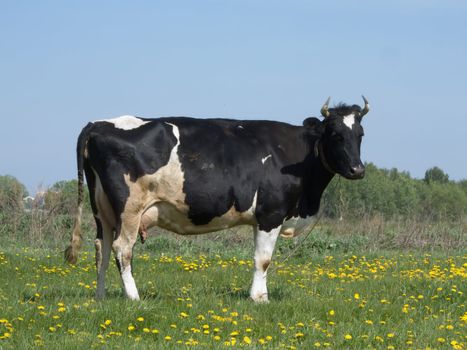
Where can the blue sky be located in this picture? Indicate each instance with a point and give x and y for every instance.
(64, 63)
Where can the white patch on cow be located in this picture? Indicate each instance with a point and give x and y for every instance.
(125, 122)
(266, 158)
(264, 247)
(164, 188)
(296, 226)
(167, 216)
(349, 120)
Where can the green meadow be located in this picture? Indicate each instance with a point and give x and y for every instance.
(324, 292)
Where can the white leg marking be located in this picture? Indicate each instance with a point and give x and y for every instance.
(349, 120)
(129, 283)
(264, 247)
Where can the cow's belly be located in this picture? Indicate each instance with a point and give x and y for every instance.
(296, 226)
(167, 216)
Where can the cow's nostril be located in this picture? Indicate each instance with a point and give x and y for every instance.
(357, 171)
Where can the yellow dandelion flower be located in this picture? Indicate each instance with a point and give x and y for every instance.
(146, 330)
(108, 322)
(332, 312)
(168, 337)
(356, 296)
(347, 337)
(390, 335)
(246, 340)
(131, 327)
(140, 319)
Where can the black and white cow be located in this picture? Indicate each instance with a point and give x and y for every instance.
(192, 176)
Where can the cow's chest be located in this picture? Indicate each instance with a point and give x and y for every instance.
(296, 226)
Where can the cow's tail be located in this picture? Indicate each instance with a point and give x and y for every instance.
(71, 252)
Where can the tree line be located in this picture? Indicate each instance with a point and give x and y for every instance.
(388, 193)
(395, 194)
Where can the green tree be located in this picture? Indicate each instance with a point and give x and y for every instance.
(11, 194)
(435, 174)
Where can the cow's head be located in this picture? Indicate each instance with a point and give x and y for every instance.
(340, 136)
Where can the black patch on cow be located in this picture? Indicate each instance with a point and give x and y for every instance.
(114, 152)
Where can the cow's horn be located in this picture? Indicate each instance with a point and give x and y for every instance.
(324, 109)
(366, 109)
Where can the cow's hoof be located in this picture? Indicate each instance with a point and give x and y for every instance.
(260, 298)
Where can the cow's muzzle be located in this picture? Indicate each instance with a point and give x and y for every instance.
(357, 172)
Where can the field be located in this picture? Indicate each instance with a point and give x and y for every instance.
(195, 294)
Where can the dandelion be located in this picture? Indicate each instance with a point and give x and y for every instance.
(348, 337)
(167, 337)
(140, 319)
(332, 312)
(246, 340)
(356, 296)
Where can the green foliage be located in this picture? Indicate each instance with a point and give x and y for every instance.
(393, 194)
(11, 194)
(435, 174)
(62, 197)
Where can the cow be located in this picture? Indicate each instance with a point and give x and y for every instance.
(192, 176)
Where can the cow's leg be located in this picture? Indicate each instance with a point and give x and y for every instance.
(123, 249)
(264, 247)
(103, 245)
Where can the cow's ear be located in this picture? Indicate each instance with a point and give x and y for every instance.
(314, 126)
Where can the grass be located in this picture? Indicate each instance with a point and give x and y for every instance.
(330, 294)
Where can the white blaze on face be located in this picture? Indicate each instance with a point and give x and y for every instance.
(265, 158)
(349, 120)
(125, 122)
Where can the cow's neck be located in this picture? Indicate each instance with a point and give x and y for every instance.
(315, 180)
